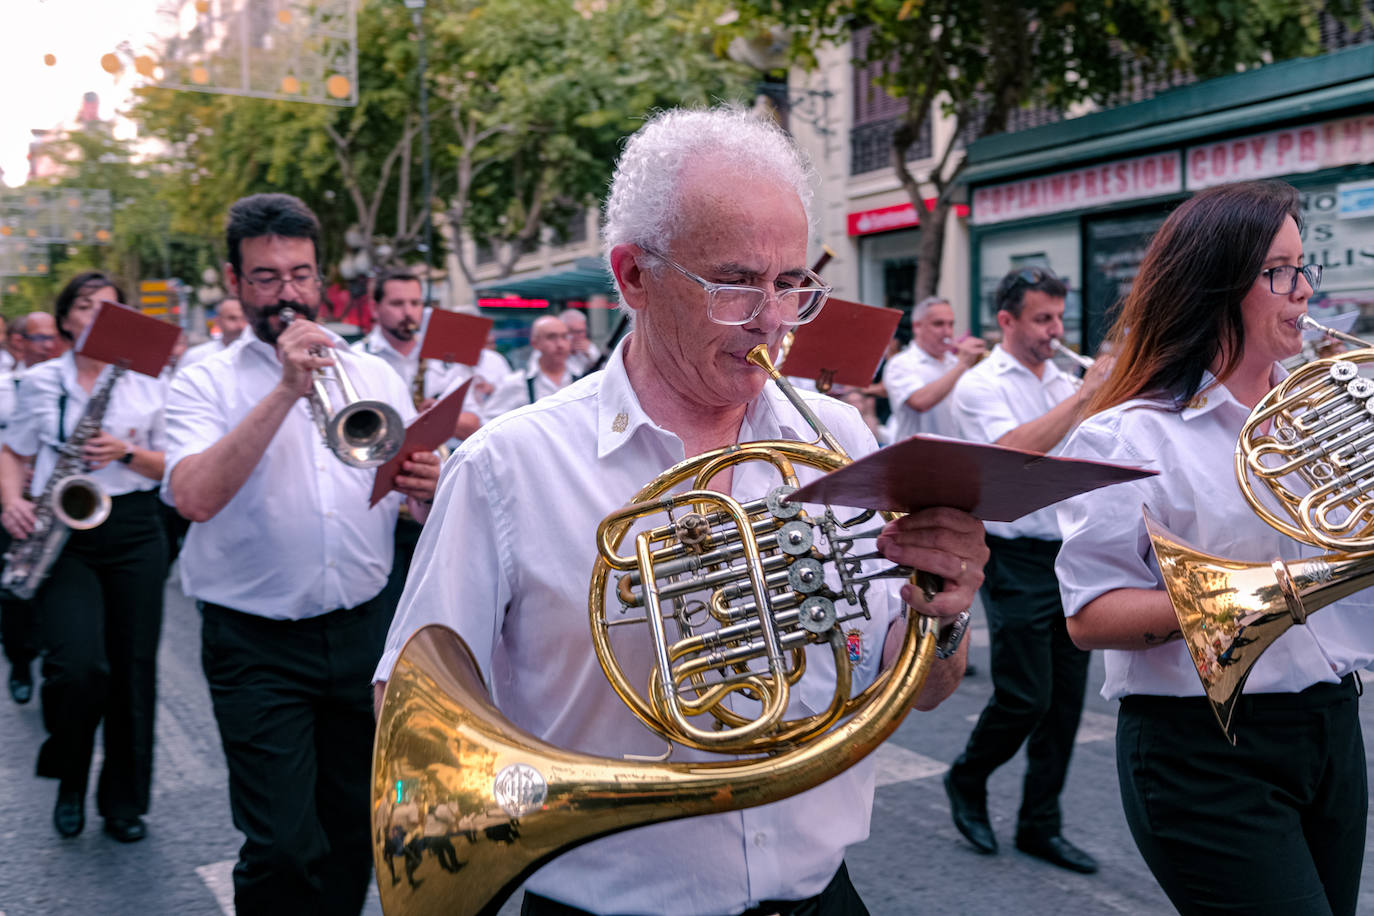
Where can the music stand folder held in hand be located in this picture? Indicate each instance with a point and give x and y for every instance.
(994, 483)
(425, 433)
(126, 337)
(844, 344)
(454, 337)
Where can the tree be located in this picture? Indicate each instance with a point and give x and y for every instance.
(539, 94)
(979, 62)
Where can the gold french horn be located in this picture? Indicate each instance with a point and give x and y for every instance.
(1309, 443)
(730, 594)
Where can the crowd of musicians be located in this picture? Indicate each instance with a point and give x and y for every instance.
(307, 593)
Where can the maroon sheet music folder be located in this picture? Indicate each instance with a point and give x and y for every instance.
(127, 337)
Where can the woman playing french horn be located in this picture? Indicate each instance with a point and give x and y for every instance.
(1276, 822)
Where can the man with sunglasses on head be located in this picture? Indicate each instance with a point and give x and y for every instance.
(286, 562)
(1019, 398)
(706, 233)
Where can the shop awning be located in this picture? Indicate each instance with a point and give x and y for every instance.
(581, 279)
(1258, 99)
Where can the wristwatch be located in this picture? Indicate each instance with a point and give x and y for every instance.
(128, 456)
(950, 636)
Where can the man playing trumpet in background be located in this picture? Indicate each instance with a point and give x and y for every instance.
(286, 562)
(920, 379)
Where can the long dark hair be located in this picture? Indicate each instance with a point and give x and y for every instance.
(86, 281)
(1184, 308)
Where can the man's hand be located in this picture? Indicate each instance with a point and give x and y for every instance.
(943, 541)
(19, 519)
(481, 387)
(970, 350)
(419, 476)
(1094, 377)
(103, 448)
(296, 348)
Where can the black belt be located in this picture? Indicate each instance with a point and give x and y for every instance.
(1317, 695)
(317, 622)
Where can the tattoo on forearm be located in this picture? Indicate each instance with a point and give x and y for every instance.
(1153, 640)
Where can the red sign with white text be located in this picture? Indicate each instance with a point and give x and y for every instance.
(1127, 179)
(1349, 141)
(886, 219)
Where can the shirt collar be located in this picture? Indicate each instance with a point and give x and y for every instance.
(620, 416)
(1212, 395)
(1003, 362)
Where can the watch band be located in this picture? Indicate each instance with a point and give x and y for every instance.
(950, 636)
(128, 456)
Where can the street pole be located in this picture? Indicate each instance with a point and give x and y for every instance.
(417, 8)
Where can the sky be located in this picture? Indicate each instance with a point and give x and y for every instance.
(76, 33)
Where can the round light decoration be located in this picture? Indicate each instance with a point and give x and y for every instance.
(338, 86)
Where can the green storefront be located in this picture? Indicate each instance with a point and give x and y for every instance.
(1083, 196)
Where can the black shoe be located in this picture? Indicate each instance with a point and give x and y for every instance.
(69, 817)
(1057, 851)
(21, 686)
(971, 817)
(126, 829)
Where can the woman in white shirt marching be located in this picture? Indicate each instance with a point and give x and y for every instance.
(100, 608)
(1276, 823)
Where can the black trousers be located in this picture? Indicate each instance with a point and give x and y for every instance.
(406, 537)
(839, 898)
(18, 624)
(100, 616)
(293, 701)
(1038, 679)
(1274, 826)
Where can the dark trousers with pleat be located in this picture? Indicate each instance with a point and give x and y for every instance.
(1038, 676)
(18, 625)
(100, 616)
(293, 701)
(1272, 826)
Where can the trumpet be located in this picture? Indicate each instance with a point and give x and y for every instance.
(361, 433)
(1084, 362)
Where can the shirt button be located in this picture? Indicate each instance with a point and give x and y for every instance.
(760, 839)
(320, 466)
(329, 514)
(332, 564)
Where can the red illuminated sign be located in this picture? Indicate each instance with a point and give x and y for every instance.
(512, 302)
(898, 216)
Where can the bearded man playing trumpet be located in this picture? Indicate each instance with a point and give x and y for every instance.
(1273, 821)
(706, 232)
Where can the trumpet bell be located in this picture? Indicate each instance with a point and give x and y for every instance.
(365, 434)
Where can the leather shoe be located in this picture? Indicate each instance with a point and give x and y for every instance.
(69, 816)
(21, 684)
(126, 829)
(970, 817)
(1056, 850)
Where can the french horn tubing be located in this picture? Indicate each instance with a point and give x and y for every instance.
(1309, 446)
(728, 594)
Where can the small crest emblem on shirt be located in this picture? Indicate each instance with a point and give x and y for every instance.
(620, 423)
(1198, 402)
(854, 642)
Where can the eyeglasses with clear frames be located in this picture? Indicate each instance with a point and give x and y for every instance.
(1284, 278)
(270, 285)
(729, 304)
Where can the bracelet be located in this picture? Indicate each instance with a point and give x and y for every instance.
(948, 641)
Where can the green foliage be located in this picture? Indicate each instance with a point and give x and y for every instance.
(529, 100)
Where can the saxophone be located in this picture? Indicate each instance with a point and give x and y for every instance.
(70, 501)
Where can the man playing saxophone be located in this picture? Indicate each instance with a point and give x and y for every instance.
(706, 232)
(100, 603)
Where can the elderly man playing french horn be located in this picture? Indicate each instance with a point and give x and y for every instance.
(706, 232)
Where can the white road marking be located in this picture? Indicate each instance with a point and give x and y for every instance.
(219, 879)
(897, 764)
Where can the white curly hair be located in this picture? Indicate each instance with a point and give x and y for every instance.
(645, 203)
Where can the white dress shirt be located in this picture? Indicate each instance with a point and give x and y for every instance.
(298, 539)
(905, 374)
(7, 360)
(581, 363)
(1197, 498)
(520, 503)
(9, 394)
(438, 374)
(49, 392)
(995, 397)
(514, 391)
(210, 348)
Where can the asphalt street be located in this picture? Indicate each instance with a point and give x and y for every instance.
(914, 862)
